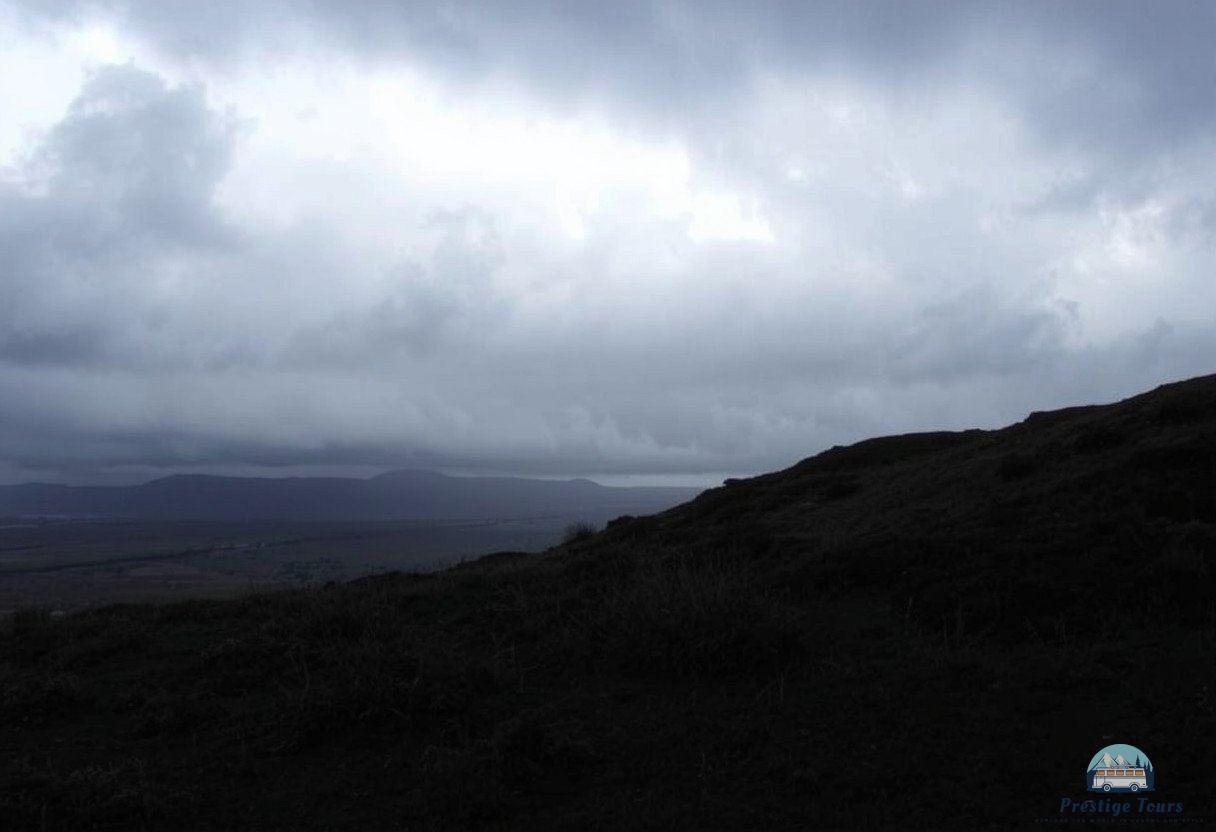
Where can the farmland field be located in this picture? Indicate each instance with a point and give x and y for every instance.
(69, 563)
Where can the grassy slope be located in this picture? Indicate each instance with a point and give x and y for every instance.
(928, 631)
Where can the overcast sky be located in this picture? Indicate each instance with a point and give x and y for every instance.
(634, 241)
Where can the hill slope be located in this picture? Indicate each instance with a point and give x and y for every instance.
(925, 631)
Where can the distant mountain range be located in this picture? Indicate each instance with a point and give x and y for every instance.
(393, 496)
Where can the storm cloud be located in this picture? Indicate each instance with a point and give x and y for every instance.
(676, 239)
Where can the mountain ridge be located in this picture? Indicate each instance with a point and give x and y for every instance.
(393, 495)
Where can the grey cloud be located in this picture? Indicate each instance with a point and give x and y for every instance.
(141, 156)
(1119, 74)
(661, 431)
(971, 335)
(1193, 221)
(120, 185)
(51, 345)
(143, 324)
(445, 299)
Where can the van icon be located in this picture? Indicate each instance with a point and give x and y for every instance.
(1120, 768)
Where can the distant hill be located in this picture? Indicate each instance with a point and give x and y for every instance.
(931, 631)
(397, 495)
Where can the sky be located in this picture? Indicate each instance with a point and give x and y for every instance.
(639, 242)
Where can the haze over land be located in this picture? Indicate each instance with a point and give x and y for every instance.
(679, 240)
(189, 536)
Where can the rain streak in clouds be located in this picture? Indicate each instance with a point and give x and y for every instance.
(672, 240)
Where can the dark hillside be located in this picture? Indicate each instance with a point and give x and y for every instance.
(1043, 523)
(934, 631)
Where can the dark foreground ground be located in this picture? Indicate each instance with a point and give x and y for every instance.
(924, 632)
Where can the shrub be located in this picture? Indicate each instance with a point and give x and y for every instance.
(577, 532)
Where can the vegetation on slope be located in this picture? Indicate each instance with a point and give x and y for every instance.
(928, 631)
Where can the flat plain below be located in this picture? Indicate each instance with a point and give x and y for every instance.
(71, 563)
